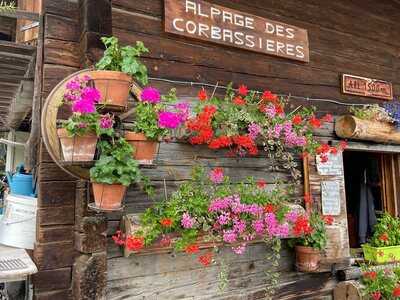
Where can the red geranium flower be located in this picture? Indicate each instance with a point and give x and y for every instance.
(202, 95)
(166, 222)
(384, 237)
(191, 249)
(302, 226)
(134, 243)
(328, 220)
(261, 183)
(267, 95)
(269, 208)
(396, 292)
(297, 120)
(239, 101)
(243, 90)
(323, 149)
(376, 295)
(206, 259)
(246, 143)
(278, 109)
(333, 150)
(314, 122)
(370, 275)
(220, 142)
(327, 118)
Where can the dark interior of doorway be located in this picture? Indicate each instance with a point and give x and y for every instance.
(364, 194)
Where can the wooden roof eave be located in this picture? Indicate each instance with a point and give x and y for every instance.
(16, 83)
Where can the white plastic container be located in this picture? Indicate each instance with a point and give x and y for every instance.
(18, 225)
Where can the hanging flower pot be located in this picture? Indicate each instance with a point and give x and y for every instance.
(77, 148)
(114, 88)
(144, 149)
(108, 196)
(307, 258)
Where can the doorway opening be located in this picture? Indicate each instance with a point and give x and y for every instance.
(372, 184)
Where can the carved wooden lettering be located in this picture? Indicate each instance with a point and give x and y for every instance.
(214, 23)
(367, 87)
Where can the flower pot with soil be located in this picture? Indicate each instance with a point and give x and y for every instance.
(113, 173)
(307, 258)
(115, 71)
(77, 148)
(79, 133)
(310, 239)
(153, 120)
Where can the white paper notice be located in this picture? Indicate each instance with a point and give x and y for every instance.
(334, 165)
(330, 195)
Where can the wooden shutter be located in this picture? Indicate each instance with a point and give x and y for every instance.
(390, 183)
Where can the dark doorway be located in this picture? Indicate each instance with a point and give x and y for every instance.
(364, 194)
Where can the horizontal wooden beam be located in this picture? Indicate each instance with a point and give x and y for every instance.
(21, 14)
(17, 48)
(370, 147)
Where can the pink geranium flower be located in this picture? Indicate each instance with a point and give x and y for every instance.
(151, 95)
(217, 175)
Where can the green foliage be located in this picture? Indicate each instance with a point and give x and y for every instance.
(386, 232)
(146, 121)
(116, 165)
(380, 281)
(80, 125)
(7, 7)
(123, 59)
(370, 112)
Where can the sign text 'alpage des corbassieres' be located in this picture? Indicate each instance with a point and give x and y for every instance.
(214, 23)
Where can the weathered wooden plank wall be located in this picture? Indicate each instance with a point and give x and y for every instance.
(338, 44)
(54, 251)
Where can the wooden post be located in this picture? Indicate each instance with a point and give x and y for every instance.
(89, 278)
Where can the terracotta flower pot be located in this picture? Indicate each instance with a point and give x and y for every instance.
(307, 258)
(144, 150)
(108, 196)
(114, 88)
(77, 148)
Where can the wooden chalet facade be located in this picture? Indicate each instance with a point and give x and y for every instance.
(74, 253)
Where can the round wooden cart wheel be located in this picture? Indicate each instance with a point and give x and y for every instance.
(49, 126)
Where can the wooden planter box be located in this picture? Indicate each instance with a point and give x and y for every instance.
(381, 255)
(129, 225)
(350, 127)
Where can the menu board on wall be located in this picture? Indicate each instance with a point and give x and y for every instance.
(214, 23)
(330, 197)
(334, 165)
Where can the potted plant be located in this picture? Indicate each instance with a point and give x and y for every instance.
(155, 116)
(384, 246)
(113, 173)
(310, 233)
(78, 135)
(116, 69)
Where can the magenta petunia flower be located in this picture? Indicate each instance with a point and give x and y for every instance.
(169, 120)
(151, 95)
(83, 107)
(254, 130)
(91, 94)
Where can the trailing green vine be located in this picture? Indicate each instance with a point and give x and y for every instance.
(272, 272)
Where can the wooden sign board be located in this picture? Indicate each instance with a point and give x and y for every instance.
(367, 87)
(334, 165)
(330, 197)
(214, 23)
